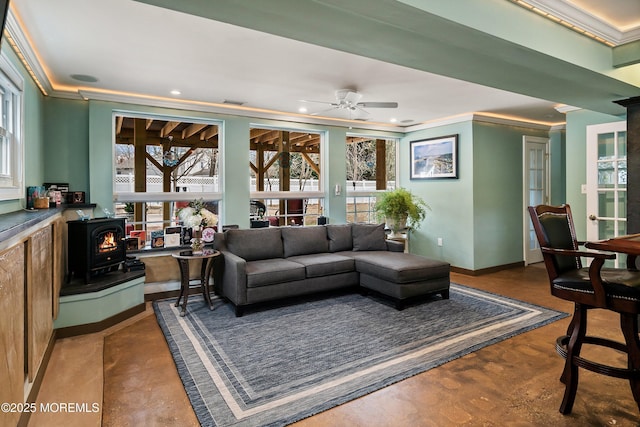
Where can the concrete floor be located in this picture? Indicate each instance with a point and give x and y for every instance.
(129, 372)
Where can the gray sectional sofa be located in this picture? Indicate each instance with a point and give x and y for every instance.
(266, 264)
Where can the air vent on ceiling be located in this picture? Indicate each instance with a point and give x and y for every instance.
(232, 102)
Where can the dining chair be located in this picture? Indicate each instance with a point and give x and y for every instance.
(594, 286)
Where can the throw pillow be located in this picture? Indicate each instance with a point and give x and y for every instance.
(304, 240)
(255, 243)
(369, 237)
(339, 237)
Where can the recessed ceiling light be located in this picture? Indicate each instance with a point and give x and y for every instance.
(302, 109)
(175, 92)
(84, 78)
(393, 120)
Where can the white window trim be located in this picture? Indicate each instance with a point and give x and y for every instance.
(123, 197)
(17, 189)
(372, 193)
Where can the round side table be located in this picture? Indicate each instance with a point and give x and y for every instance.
(183, 257)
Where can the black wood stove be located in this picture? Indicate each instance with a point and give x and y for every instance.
(96, 246)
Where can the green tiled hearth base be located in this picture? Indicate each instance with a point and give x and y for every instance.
(93, 307)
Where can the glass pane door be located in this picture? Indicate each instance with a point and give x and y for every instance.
(607, 181)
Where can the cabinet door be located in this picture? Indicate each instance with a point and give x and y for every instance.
(39, 297)
(12, 330)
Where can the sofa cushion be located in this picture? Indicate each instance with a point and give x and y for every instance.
(368, 237)
(339, 237)
(304, 240)
(400, 267)
(271, 271)
(255, 243)
(325, 264)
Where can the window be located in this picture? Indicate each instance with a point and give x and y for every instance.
(371, 167)
(160, 165)
(11, 146)
(285, 175)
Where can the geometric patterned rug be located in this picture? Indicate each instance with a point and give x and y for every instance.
(277, 366)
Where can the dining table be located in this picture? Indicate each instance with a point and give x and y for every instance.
(628, 244)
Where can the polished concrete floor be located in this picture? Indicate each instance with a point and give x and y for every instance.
(129, 371)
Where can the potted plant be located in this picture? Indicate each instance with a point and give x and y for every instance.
(401, 209)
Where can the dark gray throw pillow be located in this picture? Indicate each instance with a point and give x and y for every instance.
(339, 237)
(368, 237)
(304, 240)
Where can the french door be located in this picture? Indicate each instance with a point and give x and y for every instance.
(607, 181)
(536, 190)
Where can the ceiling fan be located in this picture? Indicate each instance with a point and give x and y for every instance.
(349, 100)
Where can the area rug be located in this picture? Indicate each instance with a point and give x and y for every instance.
(274, 367)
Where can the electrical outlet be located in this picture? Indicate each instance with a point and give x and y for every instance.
(439, 241)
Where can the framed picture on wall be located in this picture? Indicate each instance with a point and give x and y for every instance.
(434, 158)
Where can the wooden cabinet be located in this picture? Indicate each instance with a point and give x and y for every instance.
(39, 296)
(12, 329)
(31, 274)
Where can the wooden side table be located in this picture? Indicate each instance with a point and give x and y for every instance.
(402, 237)
(183, 257)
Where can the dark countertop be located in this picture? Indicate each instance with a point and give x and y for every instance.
(13, 223)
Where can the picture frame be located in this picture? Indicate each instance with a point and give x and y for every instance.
(186, 236)
(157, 239)
(141, 235)
(434, 158)
(172, 236)
(132, 243)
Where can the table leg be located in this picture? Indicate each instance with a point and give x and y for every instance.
(184, 285)
(205, 272)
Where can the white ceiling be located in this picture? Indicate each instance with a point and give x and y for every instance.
(147, 51)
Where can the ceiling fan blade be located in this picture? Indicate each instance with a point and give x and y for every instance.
(318, 102)
(361, 110)
(378, 104)
(322, 111)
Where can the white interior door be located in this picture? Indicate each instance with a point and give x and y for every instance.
(606, 180)
(536, 190)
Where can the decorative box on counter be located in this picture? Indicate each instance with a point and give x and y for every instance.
(34, 193)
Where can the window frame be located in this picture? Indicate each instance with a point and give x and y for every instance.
(352, 195)
(131, 196)
(320, 194)
(12, 186)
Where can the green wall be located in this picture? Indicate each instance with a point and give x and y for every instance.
(558, 173)
(451, 200)
(34, 139)
(479, 216)
(67, 148)
(498, 206)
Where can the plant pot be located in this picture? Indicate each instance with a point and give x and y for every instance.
(396, 225)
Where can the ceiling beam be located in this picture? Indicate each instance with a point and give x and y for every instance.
(168, 128)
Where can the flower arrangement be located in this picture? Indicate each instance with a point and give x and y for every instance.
(195, 215)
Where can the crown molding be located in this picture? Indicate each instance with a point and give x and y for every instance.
(479, 117)
(567, 109)
(586, 21)
(26, 53)
(233, 110)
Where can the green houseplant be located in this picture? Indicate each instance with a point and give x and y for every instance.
(400, 209)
